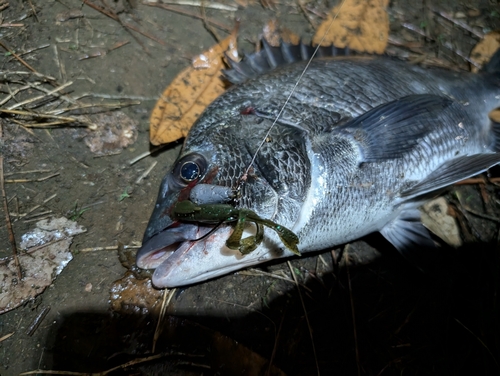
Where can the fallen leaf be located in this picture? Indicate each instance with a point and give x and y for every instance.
(274, 34)
(130, 295)
(113, 132)
(436, 218)
(186, 97)
(47, 254)
(495, 115)
(361, 25)
(485, 49)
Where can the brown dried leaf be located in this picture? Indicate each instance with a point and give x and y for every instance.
(361, 25)
(485, 49)
(47, 254)
(186, 97)
(130, 295)
(495, 115)
(274, 34)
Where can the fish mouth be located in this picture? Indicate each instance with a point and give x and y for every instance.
(162, 245)
(185, 253)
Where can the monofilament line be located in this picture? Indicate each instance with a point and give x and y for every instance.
(245, 174)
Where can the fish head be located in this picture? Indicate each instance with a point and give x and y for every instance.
(189, 252)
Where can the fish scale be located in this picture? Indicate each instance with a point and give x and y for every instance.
(361, 144)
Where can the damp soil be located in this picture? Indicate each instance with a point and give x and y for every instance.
(377, 319)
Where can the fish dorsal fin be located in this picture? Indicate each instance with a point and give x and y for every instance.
(393, 129)
(269, 58)
(453, 171)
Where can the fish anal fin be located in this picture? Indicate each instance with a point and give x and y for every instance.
(453, 171)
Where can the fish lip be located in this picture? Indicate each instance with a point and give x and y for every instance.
(162, 245)
(199, 261)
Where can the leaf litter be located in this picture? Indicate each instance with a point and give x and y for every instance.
(384, 313)
(46, 253)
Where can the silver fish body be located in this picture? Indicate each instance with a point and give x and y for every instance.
(360, 144)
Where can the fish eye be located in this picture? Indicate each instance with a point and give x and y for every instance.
(189, 168)
(189, 171)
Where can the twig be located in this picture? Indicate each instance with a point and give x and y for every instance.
(353, 312)
(459, 23)
(478, 181)
(115, 17)
(109, 248)
(60, 64)
(37, 321)
(480, 341)
(194, 3)
(11, 181)
(18, 57)
(259, 273)
(186, 13)
(167, 297)
(31, 100)
(34, 11)
(146, 173)
(305, 315)
(26, 172)
(104, 373)
(18, 90)
(12, 238)
(146, 154)
(306, 14)
(5, 337)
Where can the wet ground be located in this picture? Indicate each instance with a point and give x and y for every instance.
(383, 318)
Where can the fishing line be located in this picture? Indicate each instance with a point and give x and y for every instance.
(244, 177)
(209, 233)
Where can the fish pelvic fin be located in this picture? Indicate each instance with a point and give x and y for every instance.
(409, 236)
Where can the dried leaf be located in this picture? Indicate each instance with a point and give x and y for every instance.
(436, 218)
(46, 256)
(485, 49)
(361, 25)
(131, 295)
(114, 132)
(274, 34)
(495, 115)
(186, 97)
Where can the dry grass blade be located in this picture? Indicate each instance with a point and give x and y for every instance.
(167, 297)
(353, 311)
(121, 366)
(305, 315)
(12, 238)
(115, 17)
(6, 336)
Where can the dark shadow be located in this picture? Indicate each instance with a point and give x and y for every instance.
(445, 322)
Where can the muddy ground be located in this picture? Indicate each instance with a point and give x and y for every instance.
(381, 319)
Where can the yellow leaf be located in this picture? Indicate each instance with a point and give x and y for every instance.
(274, 33)
(485, 49)
(495, 115)
(361, 25)
(186, 97)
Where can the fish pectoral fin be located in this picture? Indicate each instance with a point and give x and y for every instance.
(453, 171)
(409, 236)
(393, 129)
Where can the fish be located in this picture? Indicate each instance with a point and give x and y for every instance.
(362, 142)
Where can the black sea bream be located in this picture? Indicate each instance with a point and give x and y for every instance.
(361, 143)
